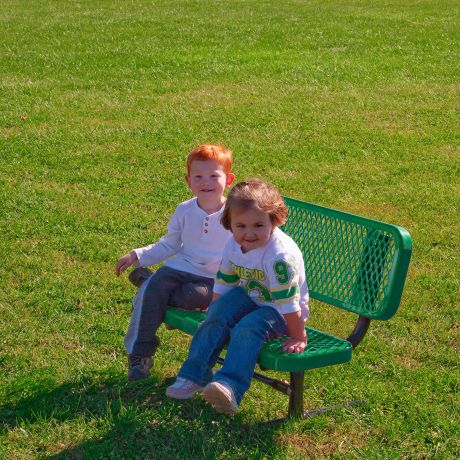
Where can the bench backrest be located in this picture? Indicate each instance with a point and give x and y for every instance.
(351, 262)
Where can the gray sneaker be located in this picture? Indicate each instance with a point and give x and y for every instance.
(139, 367)
(139, 275)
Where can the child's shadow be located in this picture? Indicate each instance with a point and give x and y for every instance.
(138, 421)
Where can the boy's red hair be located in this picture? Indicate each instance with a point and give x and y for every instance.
(217, 153)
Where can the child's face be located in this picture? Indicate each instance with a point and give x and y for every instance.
(207, 180)
(251, 228)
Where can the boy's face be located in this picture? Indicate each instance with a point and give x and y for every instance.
(251, 228)
(207, 180)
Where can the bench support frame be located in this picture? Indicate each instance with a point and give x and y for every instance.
(362, 325)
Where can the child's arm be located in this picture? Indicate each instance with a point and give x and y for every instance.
(283, 273)
(166, 247)
(296, 330)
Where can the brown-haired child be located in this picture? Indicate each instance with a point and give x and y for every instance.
(260, 293)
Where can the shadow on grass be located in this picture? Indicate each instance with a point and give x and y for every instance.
(136, 420)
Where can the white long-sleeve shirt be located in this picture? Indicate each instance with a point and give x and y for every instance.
(272, 275)
(195, 238)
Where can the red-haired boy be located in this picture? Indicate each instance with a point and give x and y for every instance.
(196, 238)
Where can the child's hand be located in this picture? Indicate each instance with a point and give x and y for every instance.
(294, 345)
(125, 262)
(297, 341)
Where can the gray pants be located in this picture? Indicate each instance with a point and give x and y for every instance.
(165, 288)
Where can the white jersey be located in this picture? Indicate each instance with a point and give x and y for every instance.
(195, 238)
(272, 275)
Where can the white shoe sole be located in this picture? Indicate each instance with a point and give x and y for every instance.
(219, 398)
(171, 394)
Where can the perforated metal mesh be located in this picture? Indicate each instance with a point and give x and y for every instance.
(185, 320)
(318, 344)
(347, 263)
(322, 350)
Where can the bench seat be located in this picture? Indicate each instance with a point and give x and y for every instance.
(322, 349)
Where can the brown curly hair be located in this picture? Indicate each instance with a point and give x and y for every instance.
(255, 192)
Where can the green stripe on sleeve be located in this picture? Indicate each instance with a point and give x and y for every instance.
(286, 293)
(227, 279)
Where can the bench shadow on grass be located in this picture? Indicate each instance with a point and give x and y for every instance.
(136, 420)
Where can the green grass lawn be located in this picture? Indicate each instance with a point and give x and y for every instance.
(352, 105)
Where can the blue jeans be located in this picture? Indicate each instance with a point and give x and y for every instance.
(237, 318)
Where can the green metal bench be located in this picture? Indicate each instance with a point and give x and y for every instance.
(351, 262)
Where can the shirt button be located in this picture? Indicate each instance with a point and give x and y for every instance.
(206, 231)
(206, 224)
(207, 218)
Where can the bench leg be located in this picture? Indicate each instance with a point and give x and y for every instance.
(296, 394)
(296, 389)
